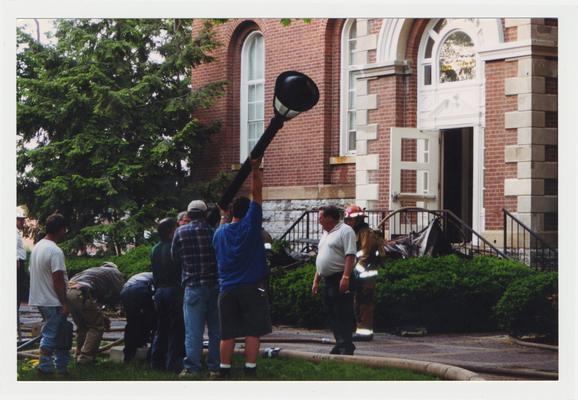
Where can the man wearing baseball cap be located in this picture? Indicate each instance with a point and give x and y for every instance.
(192, 249)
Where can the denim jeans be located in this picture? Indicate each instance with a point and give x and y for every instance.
(200, 307)
(52, 339)
(167, 348)
(141, 319)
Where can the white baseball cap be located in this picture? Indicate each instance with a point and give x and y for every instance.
(20, 213)
(198, 205)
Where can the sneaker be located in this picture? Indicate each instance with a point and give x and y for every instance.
(214, 375)
(185, 373)
(357, 337)
(250, 372)
(224, 373)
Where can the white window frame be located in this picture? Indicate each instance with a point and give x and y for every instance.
(244, 131)
(473, 30)
(347, 71)
(439, 38)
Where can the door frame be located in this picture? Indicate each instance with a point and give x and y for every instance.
(478, 210)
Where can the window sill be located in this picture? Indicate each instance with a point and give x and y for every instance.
(237, 167)
(341, 160)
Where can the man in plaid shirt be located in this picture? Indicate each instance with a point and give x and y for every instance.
(192, 248)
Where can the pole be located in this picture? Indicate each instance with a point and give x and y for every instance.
(275, 124)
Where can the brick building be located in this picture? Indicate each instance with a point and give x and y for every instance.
(438, 113)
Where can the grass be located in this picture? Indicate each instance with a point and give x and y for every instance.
(268, 370)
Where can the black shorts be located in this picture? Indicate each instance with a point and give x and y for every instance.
(244, 311)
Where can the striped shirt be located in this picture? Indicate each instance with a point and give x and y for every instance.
(104, 283)
(192, 248)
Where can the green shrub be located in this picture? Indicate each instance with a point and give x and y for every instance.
(291, 298)
(131, 263)
(530, 305)
(444, 294)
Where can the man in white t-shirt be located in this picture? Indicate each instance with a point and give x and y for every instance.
(335, 261)
(21, 275)
(48, 282)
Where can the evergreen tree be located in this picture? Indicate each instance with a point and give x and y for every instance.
(105, 132)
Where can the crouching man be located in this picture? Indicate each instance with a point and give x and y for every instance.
(137, 302)
(87, 292)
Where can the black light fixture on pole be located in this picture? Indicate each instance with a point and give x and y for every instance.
(295, 93)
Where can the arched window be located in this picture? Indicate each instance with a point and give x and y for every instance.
(252, 92)
(457, 59)
(449, 55)
(348, 92)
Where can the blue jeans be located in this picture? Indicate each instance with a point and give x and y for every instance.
(200, 307)
(52, 339)
(167, 348)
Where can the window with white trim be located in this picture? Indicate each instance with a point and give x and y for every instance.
(348, 89)
(450, 53)
(252, 92)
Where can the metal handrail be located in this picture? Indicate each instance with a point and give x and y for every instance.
(537, 254)
(293, 225)
(306, 227)
(447, 217)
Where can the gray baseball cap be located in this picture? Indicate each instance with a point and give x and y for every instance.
(198, 205)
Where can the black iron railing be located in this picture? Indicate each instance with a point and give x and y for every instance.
(303, 235)
(524, 245)
(463, 238)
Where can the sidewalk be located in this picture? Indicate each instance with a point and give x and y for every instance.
(493, 356)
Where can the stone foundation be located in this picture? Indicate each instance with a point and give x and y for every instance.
(279, 215)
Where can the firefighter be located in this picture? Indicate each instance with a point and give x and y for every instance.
(369, 253)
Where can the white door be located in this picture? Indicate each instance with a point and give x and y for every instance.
(414, 172)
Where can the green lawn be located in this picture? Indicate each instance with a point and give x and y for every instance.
(268, 370)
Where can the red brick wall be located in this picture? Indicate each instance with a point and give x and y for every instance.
(496, 138)
(300, 152)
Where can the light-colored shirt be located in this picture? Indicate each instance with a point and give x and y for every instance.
(45, 259)
(333, 247)
(20, 251)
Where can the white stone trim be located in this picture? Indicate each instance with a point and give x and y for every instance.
(367, 132)
(537, 170)
(512, 22)
(537, 204)
(524, 152)
(366, 43)
(366, 102)
(547, 136)
(523, 187)
(367, 192)
(367, 162)
(525, 84)
(361, 177)
(537, 102)
(506, 50)
(361, 148)
(524, 119)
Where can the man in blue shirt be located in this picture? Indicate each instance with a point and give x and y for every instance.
(243, 304)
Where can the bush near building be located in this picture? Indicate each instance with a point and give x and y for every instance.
(445, 294)
(530, 305)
